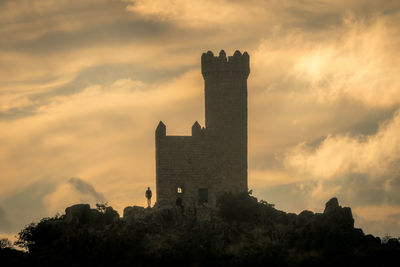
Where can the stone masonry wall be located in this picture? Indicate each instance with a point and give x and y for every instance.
(215, 157)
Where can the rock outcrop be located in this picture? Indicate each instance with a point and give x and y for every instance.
(134, 213)
(82, 213)
(342, 216)
(78, 213)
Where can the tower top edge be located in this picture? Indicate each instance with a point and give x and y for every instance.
(238, 62)
(223, 58)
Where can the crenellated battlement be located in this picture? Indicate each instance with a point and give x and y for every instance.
(236, 64)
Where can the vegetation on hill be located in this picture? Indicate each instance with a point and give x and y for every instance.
(241, 232)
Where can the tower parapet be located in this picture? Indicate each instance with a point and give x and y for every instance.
(238, 64)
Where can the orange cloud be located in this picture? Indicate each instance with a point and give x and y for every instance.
(337, 155)
(86, 135)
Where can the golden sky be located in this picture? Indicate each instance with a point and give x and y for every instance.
(84, 83)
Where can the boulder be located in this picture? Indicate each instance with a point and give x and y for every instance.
(134, 213)
(78, 213)
(111, 215)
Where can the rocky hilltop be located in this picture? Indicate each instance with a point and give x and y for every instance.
(241, 231)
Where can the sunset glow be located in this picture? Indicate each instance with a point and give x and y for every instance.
(84, 83)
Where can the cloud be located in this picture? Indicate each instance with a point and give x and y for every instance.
(27, 20)
(85, 188)
(24, 204)
(257, 15)
(194, 13)
(320, 97)
(4, 223)
(103, 133)
(354, 62)
(356, 67)
(32, 201)
(46, 46)
(362, 171)
(376, 155)
(37, 77)
(322, 125)
(73, 191)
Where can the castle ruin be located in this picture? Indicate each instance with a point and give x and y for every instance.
(194, 170)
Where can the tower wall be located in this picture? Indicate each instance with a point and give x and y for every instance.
(225, 81)
(183, 162)
(214, 159)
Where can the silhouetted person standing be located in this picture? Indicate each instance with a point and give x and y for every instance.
(148, 196)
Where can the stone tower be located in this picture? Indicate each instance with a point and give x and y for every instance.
(194, 170)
